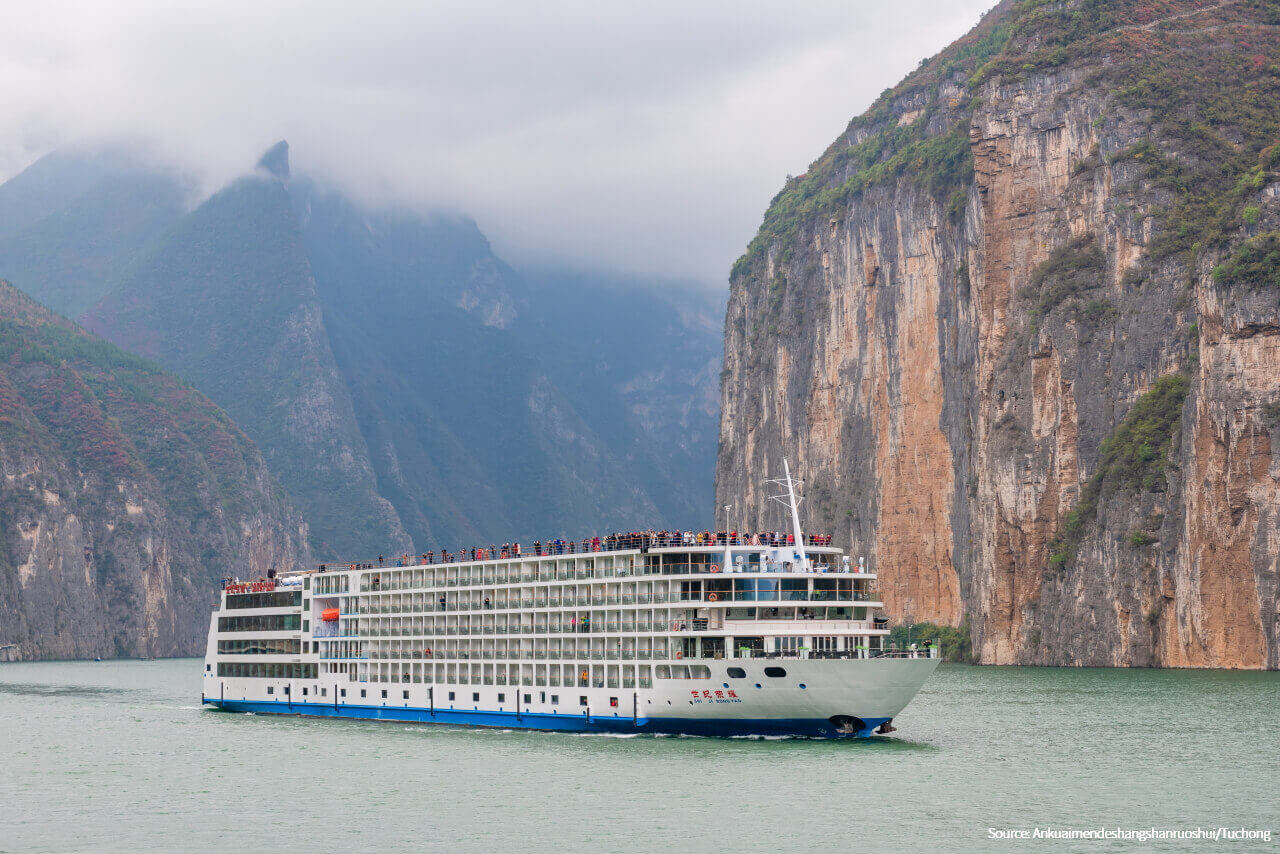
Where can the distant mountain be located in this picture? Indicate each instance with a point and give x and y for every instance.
(225, 298)
(74, 221)
(500, 406)
(126, 495)
(408, 387)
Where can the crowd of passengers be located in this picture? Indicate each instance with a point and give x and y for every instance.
(612, 542)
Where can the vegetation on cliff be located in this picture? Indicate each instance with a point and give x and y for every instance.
(1212, 90)
(931, 149)
(1132, 459)
(1255, 262)
(1209, 82)
(1070, 271)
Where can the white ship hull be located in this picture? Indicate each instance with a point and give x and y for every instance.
(840, 698)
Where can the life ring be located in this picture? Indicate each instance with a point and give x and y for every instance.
(675, 625)
(679, 655)
(715, 567)
(713, 597)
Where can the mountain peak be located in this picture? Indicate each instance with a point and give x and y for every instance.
(276, 160)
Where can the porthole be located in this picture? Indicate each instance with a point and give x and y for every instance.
(757, 684)
(775, 672)
(736, 673)
(803, 686)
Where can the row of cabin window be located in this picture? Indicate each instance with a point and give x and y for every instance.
(699, 671)
(475, 696)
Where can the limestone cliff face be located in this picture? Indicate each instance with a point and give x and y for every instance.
(125, 496)
(1019, 331)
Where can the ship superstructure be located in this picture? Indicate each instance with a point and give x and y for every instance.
(708, 638)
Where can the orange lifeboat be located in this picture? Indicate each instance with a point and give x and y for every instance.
(329, 615)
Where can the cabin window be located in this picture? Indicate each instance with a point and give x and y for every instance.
(775, 672)
(406, 695)
(451, 696)
(582, 701)
(208, 667)
(528, 698)
(343, 692)
(502, 698)
(555, 699)
(475, 698)
(304, 692)
(613, 701)
(384, 693)
(270, 690)
(737, 673)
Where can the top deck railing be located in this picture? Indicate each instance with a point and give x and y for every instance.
(641, 541)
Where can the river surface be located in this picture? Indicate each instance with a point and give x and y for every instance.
(119, 756)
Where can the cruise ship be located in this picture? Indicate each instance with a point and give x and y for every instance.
(695, 633)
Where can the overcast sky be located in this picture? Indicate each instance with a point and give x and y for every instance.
(639, 137)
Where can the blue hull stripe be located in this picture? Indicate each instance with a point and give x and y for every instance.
(820, 727)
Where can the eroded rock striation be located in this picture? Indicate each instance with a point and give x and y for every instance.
(1019, 327)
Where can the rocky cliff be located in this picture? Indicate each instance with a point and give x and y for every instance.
(1019, 327)
(125, 496)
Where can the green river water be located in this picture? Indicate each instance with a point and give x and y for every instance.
(119, 756)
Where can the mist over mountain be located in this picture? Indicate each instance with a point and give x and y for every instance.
(409, 389)
(74, 221)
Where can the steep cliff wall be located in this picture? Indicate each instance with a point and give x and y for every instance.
(1018, 327)
(125, 495)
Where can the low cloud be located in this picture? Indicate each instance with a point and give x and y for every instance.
(644, 137)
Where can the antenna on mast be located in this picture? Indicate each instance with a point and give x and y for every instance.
(790, 500)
